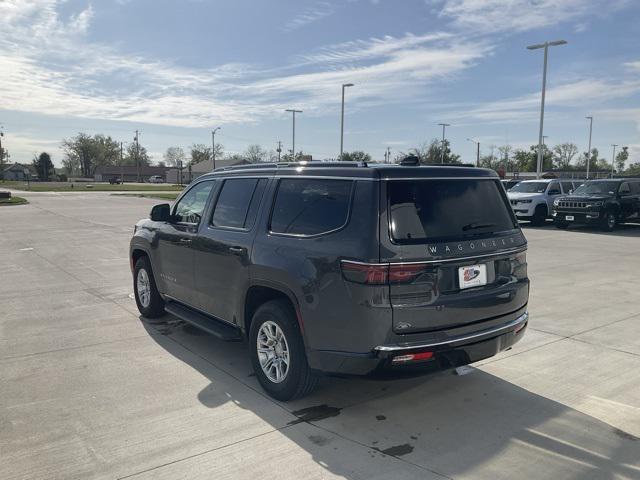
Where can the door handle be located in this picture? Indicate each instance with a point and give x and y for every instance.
(236, 250)
(186, 241)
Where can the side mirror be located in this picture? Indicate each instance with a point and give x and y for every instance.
(160, 213)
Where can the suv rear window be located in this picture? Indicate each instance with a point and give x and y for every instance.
(311, 206)
(422, 210)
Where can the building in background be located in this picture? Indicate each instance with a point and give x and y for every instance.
(16, 172)
(199, 169)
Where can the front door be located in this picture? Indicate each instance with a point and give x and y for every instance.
(223, 248)
(174, 266)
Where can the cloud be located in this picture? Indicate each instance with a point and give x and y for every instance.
(486, 16)
(577, 94)
(50, 67)
(311, 15)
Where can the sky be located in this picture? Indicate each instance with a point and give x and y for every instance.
(176, 69)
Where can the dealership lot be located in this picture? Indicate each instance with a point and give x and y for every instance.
(91, 390)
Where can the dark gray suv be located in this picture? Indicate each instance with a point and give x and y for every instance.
(339, 268)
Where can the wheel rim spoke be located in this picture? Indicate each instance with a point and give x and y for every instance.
(273, 352)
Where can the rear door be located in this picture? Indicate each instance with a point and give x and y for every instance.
(222, 250)
(456, 251)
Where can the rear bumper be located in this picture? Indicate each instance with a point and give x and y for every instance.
(450, 353)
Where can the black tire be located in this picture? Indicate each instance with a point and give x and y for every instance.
(299, 380)
(154, 306)
(610, 221)
(539, 216)
(561, 225)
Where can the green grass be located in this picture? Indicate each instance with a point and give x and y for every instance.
(88, 187)
(13, 201)
(160, 196)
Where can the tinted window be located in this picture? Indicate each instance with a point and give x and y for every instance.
(190, 207)
(310, 207)
(596, 187)
(438, 209)
(530, 187)
(235, 198)
(635, 188)
(625, 188)
(554, 188)
(567, 186)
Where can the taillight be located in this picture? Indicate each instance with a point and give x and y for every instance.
(382, 273)
(369, 273)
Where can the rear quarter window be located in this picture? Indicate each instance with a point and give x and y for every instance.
(311, 206)
(428, 210)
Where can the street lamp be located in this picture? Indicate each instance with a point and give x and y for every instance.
(213, 146)
(546, 46)
(344, 85)
(293, 142)
(589, 148)
(477, 151)
(444, 125)
(613, 159)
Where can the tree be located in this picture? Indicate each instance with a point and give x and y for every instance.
(527, 160)
(563, 155)
(633, 170)
(621, 159)
(84, 153)
(44, 166)
(136, 155)
(356, 156)
(289, 157)
(200, 153)
(255, 153)
(431, 152)
(173, 155)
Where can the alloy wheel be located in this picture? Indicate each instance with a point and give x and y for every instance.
(143, 286)
(273, 352)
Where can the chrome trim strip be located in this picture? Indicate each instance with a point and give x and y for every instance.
(394, 348)
(445, 260)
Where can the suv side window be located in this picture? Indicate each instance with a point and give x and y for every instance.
(238, 203)
(567, 187)
(624, 189)
(554, 188)
(306, 206)
(190, 207)
(635, 188)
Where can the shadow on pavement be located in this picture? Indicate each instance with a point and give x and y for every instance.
(477, 424)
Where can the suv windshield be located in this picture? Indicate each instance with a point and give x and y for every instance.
(609, 188)
(439, 209)
(530, 187)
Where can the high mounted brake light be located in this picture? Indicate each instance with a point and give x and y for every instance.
(382, 273)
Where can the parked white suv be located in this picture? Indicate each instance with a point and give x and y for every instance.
(156, 179)
(533, 199)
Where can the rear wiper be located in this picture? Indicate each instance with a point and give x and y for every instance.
(474, 226)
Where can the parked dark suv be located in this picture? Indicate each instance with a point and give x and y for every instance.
(339, 268)
(604, 203)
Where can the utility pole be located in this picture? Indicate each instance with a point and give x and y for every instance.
(293, 141)
(613, 159)
(388, 154)
(137, 157)
(444, 125)
(279, 149)
(344, 85)
(121, 166)
(589, 147)
(213, 146)
(546, 46)
(1, 150)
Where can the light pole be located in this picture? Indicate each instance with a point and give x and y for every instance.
(213, 146)
(293, 141)
(344, 85)
(589, 147)
(477, 150)
(444, 125)
(613, 159)
(546, 46)
(137, 157)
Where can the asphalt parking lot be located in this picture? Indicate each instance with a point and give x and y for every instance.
(88, 389)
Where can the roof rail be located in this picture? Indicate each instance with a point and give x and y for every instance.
(251, 166)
